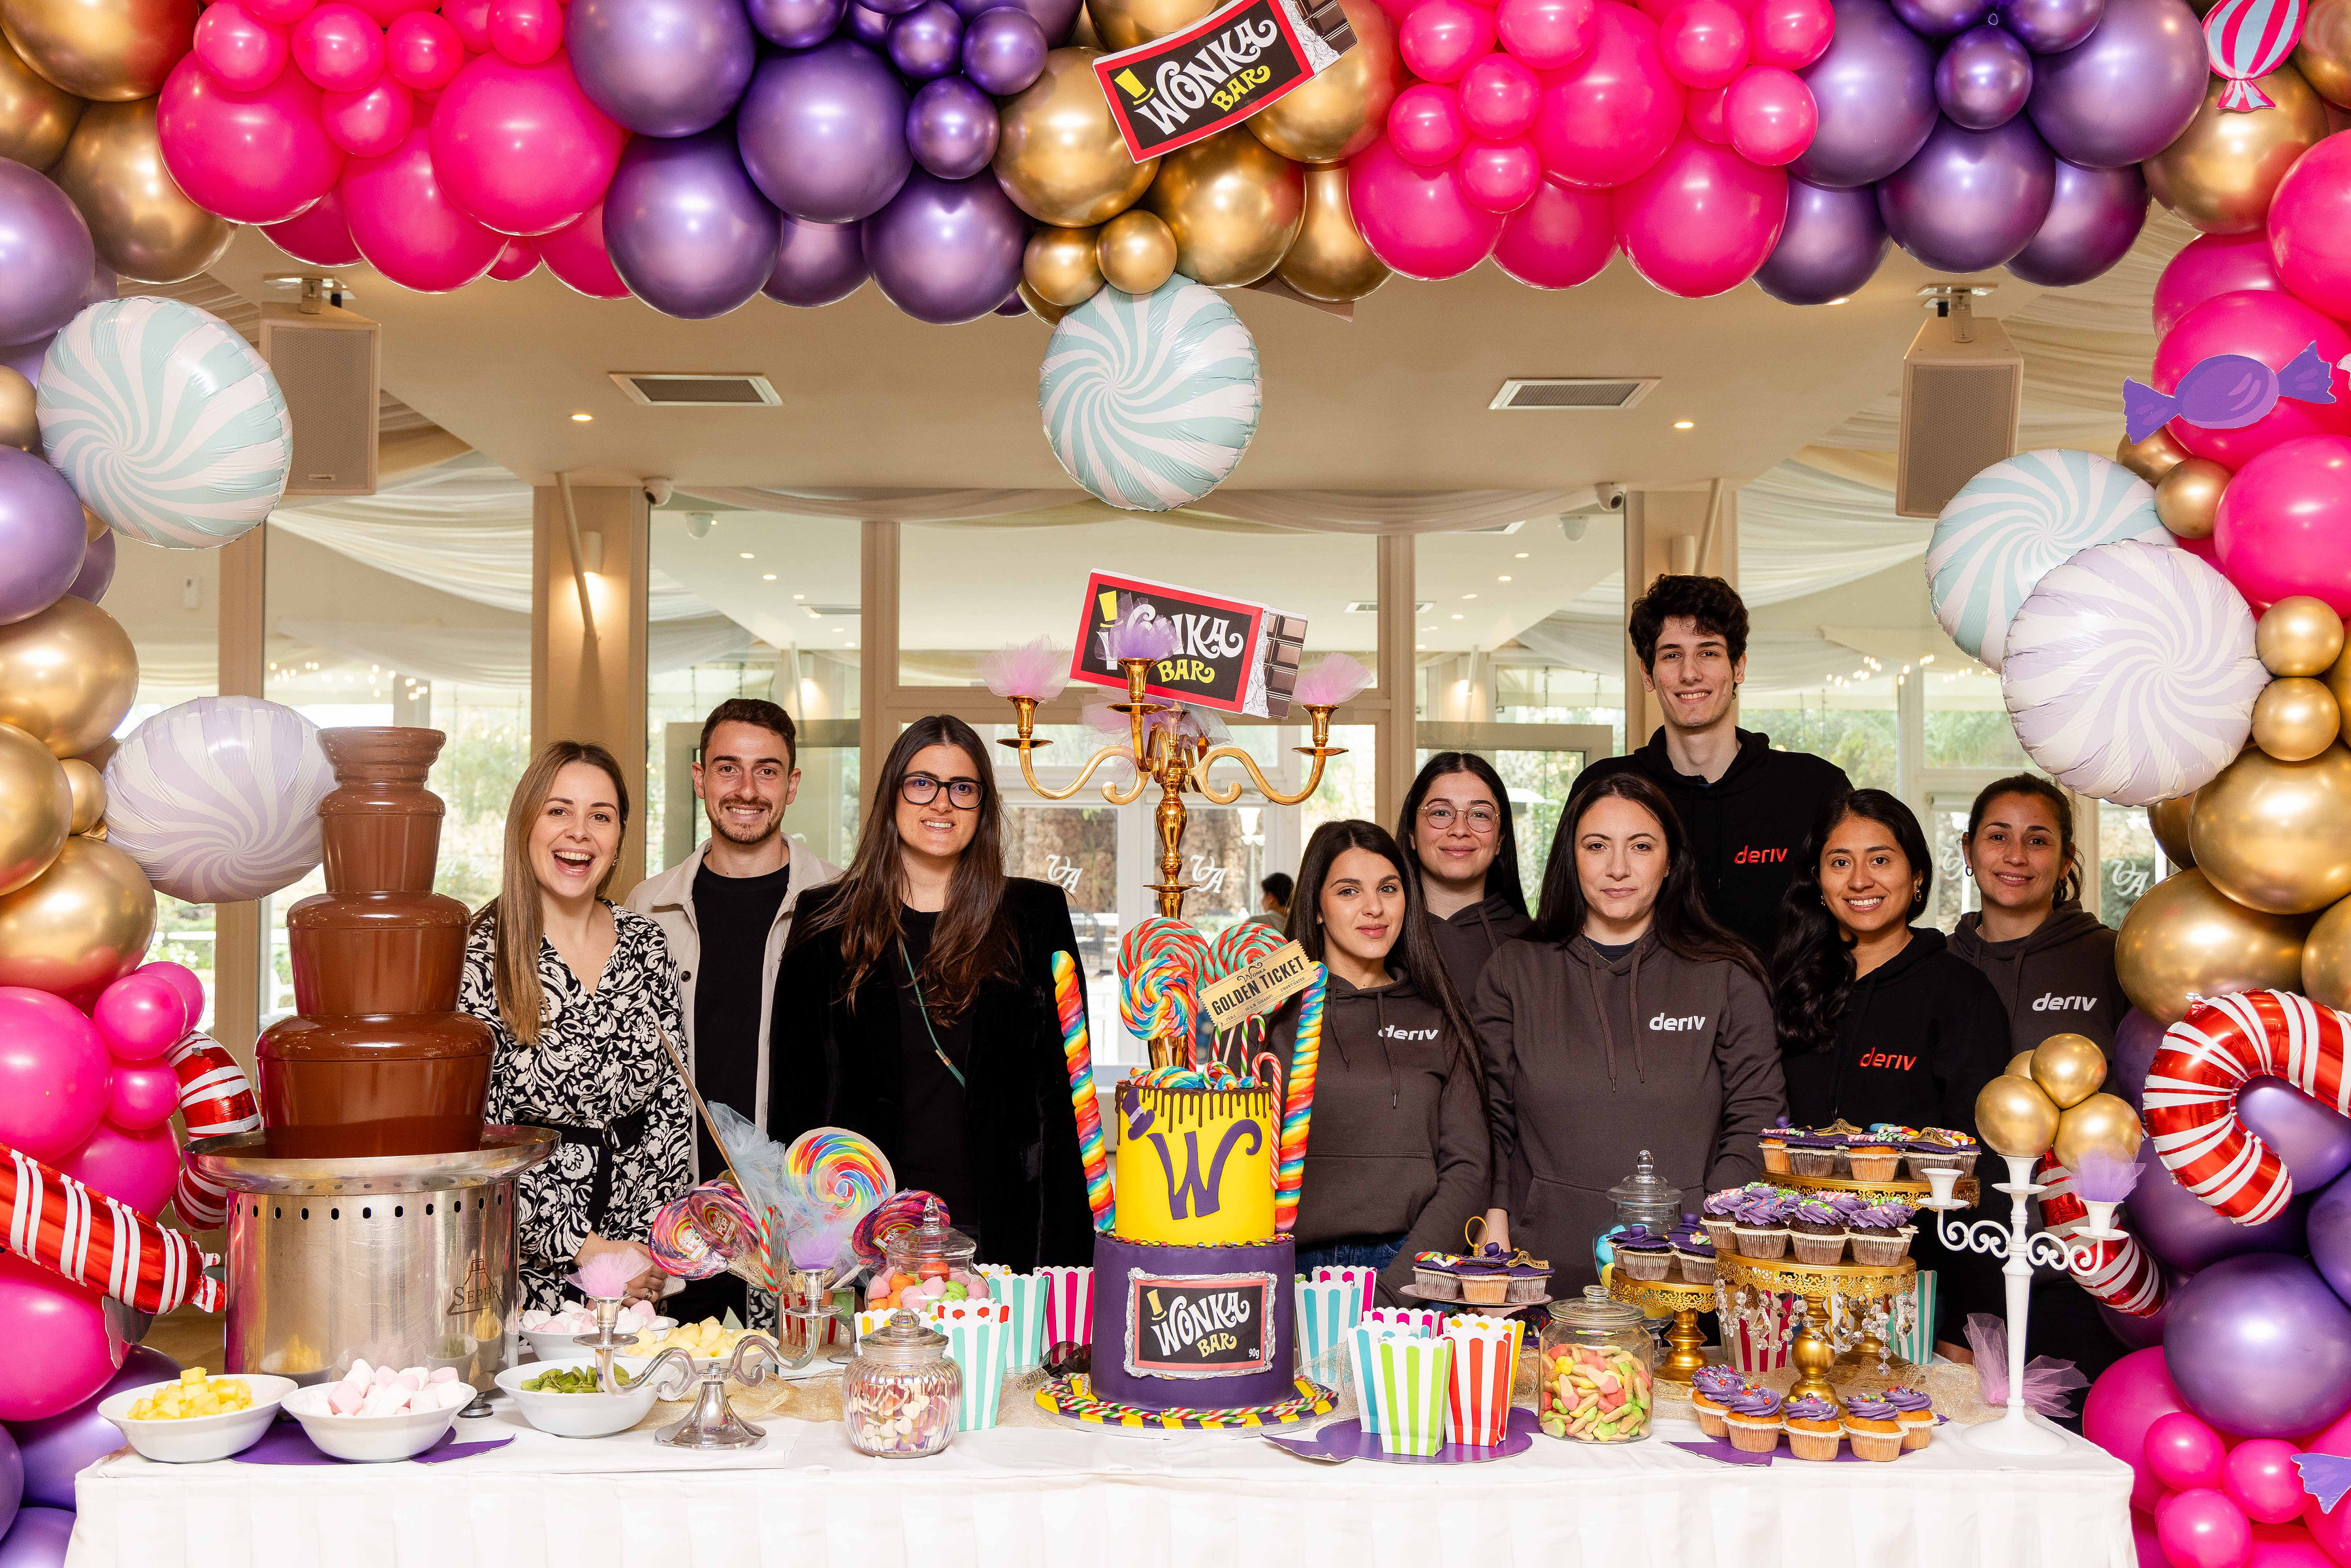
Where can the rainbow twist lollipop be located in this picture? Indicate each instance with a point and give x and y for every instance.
(892, 1218)
(1159, 964)
(844, 1174)
(1237, 947)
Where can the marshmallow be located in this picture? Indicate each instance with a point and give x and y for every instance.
(443, 1375)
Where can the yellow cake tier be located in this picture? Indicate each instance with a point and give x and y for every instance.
(1194, 1167)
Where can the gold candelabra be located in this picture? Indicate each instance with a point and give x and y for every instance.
(1178, 762)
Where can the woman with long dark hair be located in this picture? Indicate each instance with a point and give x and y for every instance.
(915, 1006)
(2052, 961)
(1628, 1020)
(1397, 1162)
(1463, 865)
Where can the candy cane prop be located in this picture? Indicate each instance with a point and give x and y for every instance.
(215, 1100)
(2123, 1275)
(92, 1239)
(2206, 1059)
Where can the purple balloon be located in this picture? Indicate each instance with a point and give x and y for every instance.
(824, 132)
(1014, 306)
(38, 1539)
(104, 285)
(1940, 19)
(2051, 27)
(1875, 91)
(2093, 221)
(1057, 17)
(928, 41)
(946, 250)
(1983, 79)
(2127, 90)
(816, 264)
(1830, 245)
(41, 537)
(12, 1480)
(96, 568)
(869, 28)
(2260, 1347)
(59, 1448)
(661, 67)
(689, 234)
(951, 126)
(2313, 1143)
(47, 256)
(2186, 1233)
(2330, 1235)
(1004, 51)
(797, 24)
(2137, 1040)
(1970, 199)
(892, 8)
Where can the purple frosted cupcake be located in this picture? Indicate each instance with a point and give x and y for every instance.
(1753, 1415)
(1940, 1148)
(1709, 1386)
(1761, 1225)
(1917, 1413)
(1719, 1213)
(1814, 1154)
(1881, 1234)
(1695, 1253)
(1816, 1231)
(1813, 1426)
(1643, 1256)
(1873, 1425)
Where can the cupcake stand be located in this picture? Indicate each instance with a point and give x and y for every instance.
(1677, 1300)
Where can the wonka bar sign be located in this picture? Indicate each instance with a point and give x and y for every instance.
(1173, 91)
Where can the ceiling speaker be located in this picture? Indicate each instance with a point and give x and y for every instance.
(325, 361)
(1962, 382)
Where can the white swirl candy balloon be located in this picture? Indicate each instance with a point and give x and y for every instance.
(1150, 399)
(2014, 522)
(2131, 673)
(166, 423)
(217, 799)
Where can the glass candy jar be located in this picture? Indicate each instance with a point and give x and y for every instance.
(1598, 1371)
(900, 1394)
(933, 1250)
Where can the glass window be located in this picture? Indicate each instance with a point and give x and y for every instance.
(1851, 725)
(2126, 859)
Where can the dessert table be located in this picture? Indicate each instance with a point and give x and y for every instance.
(1016, 1496)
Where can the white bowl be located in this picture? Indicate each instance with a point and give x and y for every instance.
(580, 1415)
(367, 1440)
(560, 1346)
(198, 1438)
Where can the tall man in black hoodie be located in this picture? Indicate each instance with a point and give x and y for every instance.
(1745, 806)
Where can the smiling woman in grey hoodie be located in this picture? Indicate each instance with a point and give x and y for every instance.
(1629, 1021)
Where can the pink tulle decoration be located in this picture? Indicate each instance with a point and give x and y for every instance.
(2102, 1178)
(1194, 724)
(1332, 682)
(2047, 1380)
(1036, 670)
(1138, 638)
(606, 1276)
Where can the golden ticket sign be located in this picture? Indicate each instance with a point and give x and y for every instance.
(1260, 989)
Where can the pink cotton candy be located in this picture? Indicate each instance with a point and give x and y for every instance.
(1332, 682)
(606, 1276)
(1036, 670)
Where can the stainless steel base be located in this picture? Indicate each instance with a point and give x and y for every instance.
(409, 1261)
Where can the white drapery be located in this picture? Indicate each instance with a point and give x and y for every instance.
(1317, 511)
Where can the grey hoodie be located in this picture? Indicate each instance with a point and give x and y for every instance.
(1470, 935)
(2060, 979)
(1590, 1061)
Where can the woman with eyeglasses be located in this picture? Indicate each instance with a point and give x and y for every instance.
(914, 1005)
(1463, 859)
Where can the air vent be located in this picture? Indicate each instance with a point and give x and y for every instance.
(1573, 393)
(825, 610)
(1372, 606)
(667, 391)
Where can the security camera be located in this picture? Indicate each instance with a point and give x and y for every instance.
(1609, 495)
(659, 491)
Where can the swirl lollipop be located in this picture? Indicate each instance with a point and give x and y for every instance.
(892, 1218)
(843, 1174)
(1159, 963)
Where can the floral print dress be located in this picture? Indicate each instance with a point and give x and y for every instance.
(599, 1076)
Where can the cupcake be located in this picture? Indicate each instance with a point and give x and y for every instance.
(1813, 1426)
(1530, 1281)
(1753, 1415)
(1816, 1231)
(1881, 1234)
(1940, 1148)
(1762, 1225)
(1432, 1273)
(1871, 1161)
(1773, 1142)
(1642, 1255)
(1709, 1386)
(1485, 1278)
(1814, 1154)
(1917, 1413)
(1719, 1215)
(1873, 1425)
(1696, 1254)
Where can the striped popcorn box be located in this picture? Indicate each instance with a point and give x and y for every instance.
(1755, 1346)
(1328, 1310)
(1485, 1365)
(1366, 1279)
(1069, 1306)
(1024, 1296)
(1401, 1382)
(976, 1343)
(873, 1321)
(1419, 1319)
(1916, 1343)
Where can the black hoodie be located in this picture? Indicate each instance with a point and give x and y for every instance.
(2060, 979)
(1745, 828)
(1469, 936)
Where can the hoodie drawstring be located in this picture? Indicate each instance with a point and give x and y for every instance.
(1387, 1055)
(1640, 1062)
(1486, 924)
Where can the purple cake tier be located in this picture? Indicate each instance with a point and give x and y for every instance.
(1195, 1327)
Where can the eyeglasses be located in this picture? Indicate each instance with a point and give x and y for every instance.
(921, 789)
(1477, 819)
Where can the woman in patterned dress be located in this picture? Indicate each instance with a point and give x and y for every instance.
(579, 992)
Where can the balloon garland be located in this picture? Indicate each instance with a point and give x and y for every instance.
(216, 1100)
(83, 1235)
(2206, 1059)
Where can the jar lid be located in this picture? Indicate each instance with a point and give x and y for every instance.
(933, 1238)
(1645, 1190)
(1598, 1311)
(904, 1343)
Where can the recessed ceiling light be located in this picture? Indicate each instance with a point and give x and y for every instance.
(1420, 647)
(1457, 618)
(800, 596)
(1685, 425)
(581, 418)
(769, 577)
(1469, 596)
(747, 555)
(1505, 578)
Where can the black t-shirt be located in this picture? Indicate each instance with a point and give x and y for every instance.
(938, 1156)
(732, 917)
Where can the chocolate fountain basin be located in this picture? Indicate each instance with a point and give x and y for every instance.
(361, 1087)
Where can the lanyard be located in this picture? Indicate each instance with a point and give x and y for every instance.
(925, 1008)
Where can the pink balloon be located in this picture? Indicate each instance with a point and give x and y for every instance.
(340, 47)
(319, 234)
(2270, 327)
(527, 32)
(2122, 1405)
(280, 13)
(423, 51)
(139, 1017)
(2310, 227)
(2144, 1544)
(1612, 114)
(1702, 220)
(1424, 124)
(1706, 115)
(1770, 116)
(2284, 526)
(576, 255)
(2184, 1453)
(472, 20)
(64, 1355)
(519, 148)
(1562, 237)
(179, 977)
(1545, 35)
(2262, 1480)
(1499, 98)
(1789, 33)
(136, 1169)
(1416, 219)
(1499, 176)
(53, 1071)
(2210, 265)
(519, 260)
(1441, 39)
(250, 157)
(1704, 43)
(2203, 1529)
(373, 123)
(406, 228)
(139, 1095)
(240, 49)
(385, 12)
(2285, 1546)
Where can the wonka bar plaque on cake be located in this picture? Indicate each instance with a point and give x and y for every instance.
(1198, 1326)
(1230, 654)
(1173, 91)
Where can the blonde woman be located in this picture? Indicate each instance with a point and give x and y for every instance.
(576, 992)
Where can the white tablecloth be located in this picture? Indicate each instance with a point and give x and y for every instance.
(1009, 1498)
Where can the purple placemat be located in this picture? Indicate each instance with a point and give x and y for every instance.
(287, 1444)
(1719, 1448)
(1348, 1440)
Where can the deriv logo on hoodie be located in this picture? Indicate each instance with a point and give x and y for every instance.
(2053, 1003)
(1662, 1022)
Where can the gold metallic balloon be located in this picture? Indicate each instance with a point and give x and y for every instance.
(2014, 1117)
(36, 114)
(2103, 1124)
(1341, 111)
(2153, 458)
(2021, 1064)
(92, 525)
(19, 427)
(66, 676)
(2295, 718)
(1059, 264)
(2069, 1068)
(1044, 310)
(2188, 495)
(79, 926)
(1123, 23)
(1329, 259)
(2323, 58)
(1059, 154)
(2220, 172)
(36, 807)
(110, 50)
(2169, 819)
(145, 229)
(2184, 935)
(2276, 836)
(2327, 958)
(2299, 636)
(1136, 251)
(1235, 205)
(89, 789)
